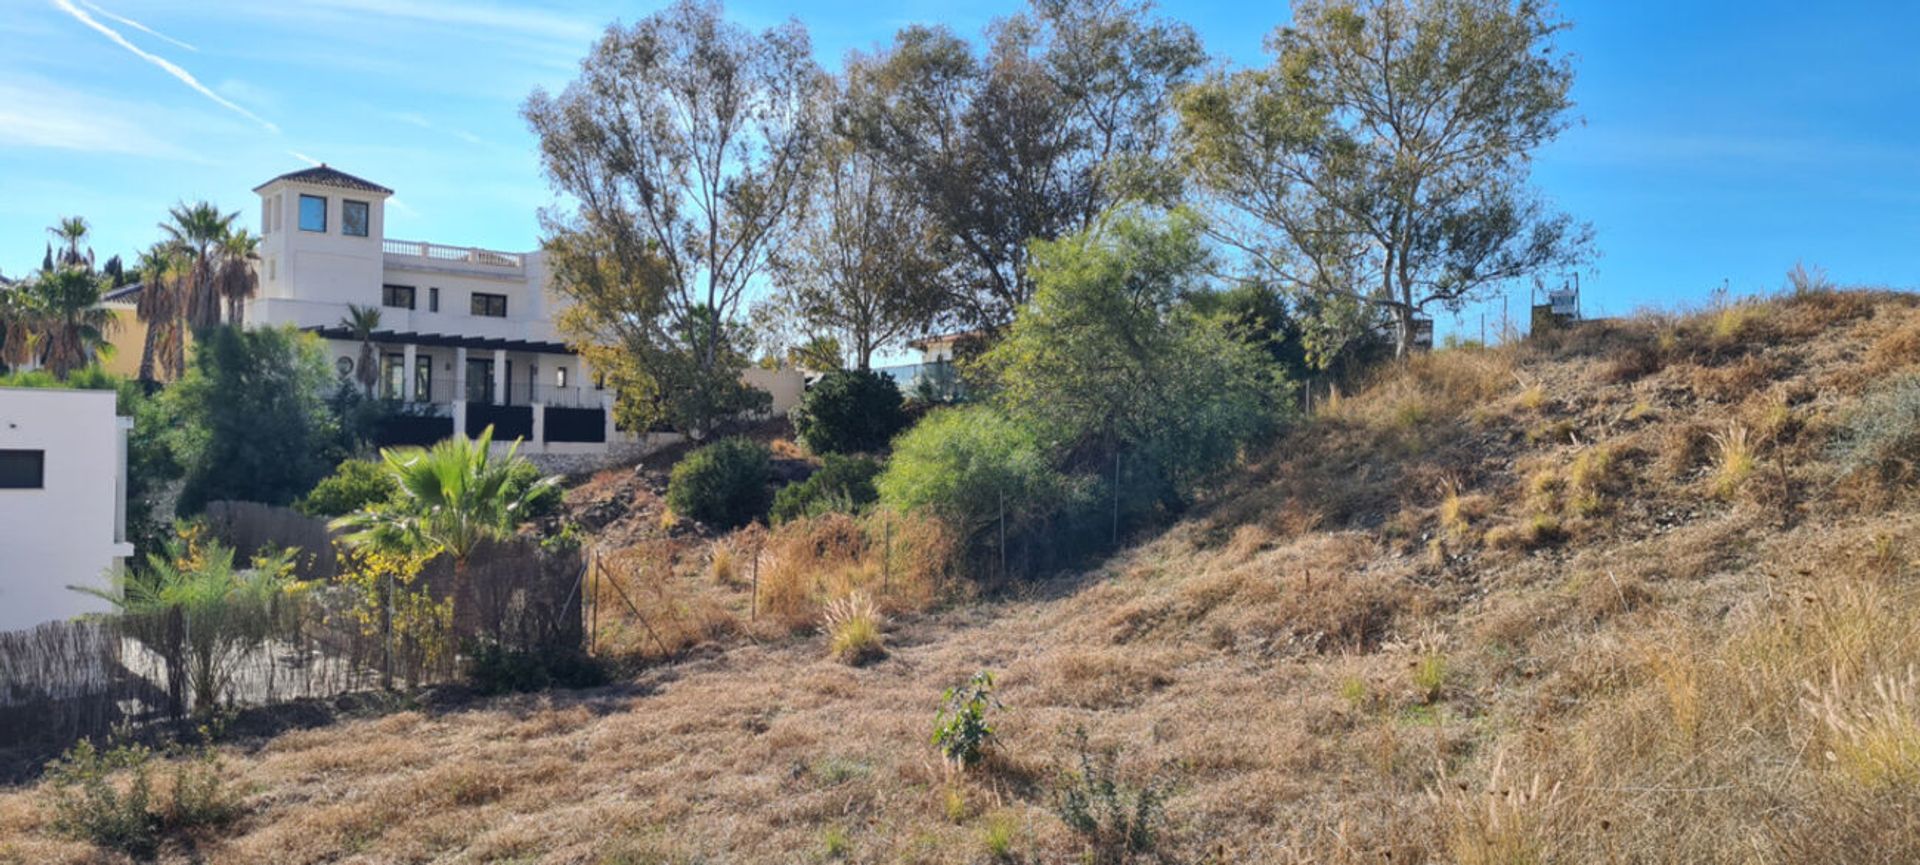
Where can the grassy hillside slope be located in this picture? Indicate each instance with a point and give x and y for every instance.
(1608, 596)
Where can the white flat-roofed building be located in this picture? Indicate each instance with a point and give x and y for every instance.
(63, 501)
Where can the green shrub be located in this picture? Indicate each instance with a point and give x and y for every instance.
(850, 411)
(354, 485)
(544, 501)
(723, 484)
(89, 806)
(1116, 820)
(92, 803)
(844, 485)
(1881, 436)
(966, 466)
(960, 729)
(495, 669)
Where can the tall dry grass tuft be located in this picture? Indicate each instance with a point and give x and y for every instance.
(853, 625)
(903, 562)
(1734, 460)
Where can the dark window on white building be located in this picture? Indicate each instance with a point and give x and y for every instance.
(494, 305)
(433, 300)
(23, 470)
(397, 296)
(353, 218)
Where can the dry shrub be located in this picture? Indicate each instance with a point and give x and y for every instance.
(1735, 381)
(1897, 348)
(1634, 362)
(901, 561)
(1734, 460)
(1531, 533)
(1459, 513)
(1605, 595)
(854, 630)
(649, 606)
(1683, 446)
(1509, 820)
(1429, 387)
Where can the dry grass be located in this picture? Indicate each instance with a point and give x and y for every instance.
(1631, 672)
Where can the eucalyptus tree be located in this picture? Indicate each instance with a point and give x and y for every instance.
(685, 144)
(1381, 162)
(200, 230)
(1066, 113)
(862, 264)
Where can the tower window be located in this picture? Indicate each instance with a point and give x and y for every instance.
(313, 213)
(353, 218)
(433, 300)
(23, 469)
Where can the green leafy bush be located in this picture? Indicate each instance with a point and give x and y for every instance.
(843, 484)
(850, 411)
(1116, 820)
(543, 500)
(723, 484)
(354, 485)
(960, 729)
(495, 669)
(92, 803)
(965, 465)
(1881, 437)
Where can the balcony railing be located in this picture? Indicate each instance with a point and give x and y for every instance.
(462, 254)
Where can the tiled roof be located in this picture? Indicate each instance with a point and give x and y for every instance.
(325, 176)
(128, 293)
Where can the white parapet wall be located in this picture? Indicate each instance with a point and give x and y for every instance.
(62, 502)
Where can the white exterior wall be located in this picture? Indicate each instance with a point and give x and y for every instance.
(72, 531)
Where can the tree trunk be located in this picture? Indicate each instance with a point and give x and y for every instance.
(1402, 330)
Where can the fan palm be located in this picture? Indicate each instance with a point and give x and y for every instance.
(23, 319)
(74, 323)
(200, 229)
(363, 321)
(235, 279)
(162, 306)
(452, 497)
(71, 233)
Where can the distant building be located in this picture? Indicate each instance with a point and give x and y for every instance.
(466, 339)
(63, 501)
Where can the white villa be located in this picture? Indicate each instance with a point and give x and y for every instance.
(467, 335)
(63, 501)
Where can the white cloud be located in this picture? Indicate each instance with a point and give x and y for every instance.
(137, 25)
(305, 158)
(165, 65)
(531, 22)
(41, 115)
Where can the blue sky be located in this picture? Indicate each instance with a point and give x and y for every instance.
(1720, 140)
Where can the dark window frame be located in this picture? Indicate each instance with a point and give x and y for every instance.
(366, 218)
(483, 304)
(393, 376)
(28, 473)
(433, 298)
(304, 198)
(389, 292)
(422, 378)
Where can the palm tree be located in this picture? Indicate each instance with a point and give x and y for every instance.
(227, 612)
(200, 229)
(22, 326)
(452, 497)
(162, 306)
(71, 232)
(235, 279)
(363, 321)
(75, 325)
